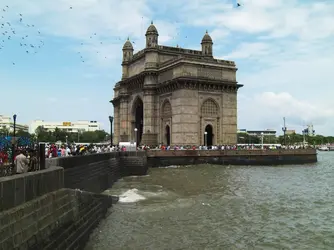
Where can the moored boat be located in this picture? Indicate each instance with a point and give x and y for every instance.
(323, 148)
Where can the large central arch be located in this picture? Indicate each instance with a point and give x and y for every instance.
(138, 112)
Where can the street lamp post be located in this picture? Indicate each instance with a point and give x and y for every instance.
(111, 119)
(262, 140)
(13, 140)
(205, 137)
(66, 139)
(284, 131)
(136, 136)
(303, 137)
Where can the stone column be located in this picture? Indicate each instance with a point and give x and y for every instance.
(185, 117)
(116, 123)
(150, 136)
(229, 118)
(124, 136)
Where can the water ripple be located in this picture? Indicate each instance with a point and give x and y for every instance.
(219, 207)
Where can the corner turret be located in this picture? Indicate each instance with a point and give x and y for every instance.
(151, 36)
(127, 57)
(207, 44)
(127, 51)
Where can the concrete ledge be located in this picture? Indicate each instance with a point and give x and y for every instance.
(217, 153)
(231, 157)
(18, 189)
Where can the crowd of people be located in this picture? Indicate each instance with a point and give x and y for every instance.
(225, 147)
(53, 150)
(27, 159)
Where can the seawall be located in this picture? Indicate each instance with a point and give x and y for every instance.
(98, 172)
(156, 158)
(57, 208)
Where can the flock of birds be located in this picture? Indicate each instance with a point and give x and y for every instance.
(11, 33)
(29, 38)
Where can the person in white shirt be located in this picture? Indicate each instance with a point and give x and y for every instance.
(21, 163)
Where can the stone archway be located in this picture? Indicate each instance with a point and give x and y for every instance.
(138, 113)
(209, 135)
(167, 135)
(210, 119)
(166, 122)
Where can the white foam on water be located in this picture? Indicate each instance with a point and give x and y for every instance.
(131, 196)
(171, 166)
(138, 176)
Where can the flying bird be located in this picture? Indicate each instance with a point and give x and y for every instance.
(238, 4)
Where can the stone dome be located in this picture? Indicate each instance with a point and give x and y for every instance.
(206, 38)
(152, 30)
(127, 45)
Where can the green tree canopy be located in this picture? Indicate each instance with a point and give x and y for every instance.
(244, 138)
(60, 135)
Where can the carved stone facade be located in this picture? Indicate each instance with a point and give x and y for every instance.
(175, 96)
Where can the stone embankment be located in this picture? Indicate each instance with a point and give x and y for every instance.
(156, 158)
(57, 208)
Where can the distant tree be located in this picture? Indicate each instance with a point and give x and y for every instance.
(42, 135)
(22, 133)
(63, 136)
(4, 132)
(244, 138)
(93, 136)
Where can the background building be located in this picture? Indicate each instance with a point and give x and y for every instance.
(70, 127)
(309, 130)
(7, 125)
(290, 132)
(266, 132)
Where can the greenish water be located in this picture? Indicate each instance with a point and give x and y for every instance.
(223, 207)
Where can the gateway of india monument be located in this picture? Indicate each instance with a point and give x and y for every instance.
(175, 96)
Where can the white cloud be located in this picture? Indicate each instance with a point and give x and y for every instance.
(284, 53)
(283, 48)
(249, 50)
(99, 27)
(268, 108)
(218, 34)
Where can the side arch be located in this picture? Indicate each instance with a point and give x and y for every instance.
(166, 114)
(166, 109)
(209, 134)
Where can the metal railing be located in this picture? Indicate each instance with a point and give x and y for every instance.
(7, 166)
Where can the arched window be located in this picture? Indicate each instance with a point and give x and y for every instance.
(166, 109)
(209, 108)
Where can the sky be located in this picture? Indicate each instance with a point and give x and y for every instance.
(64, 56)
